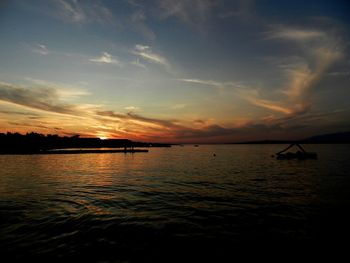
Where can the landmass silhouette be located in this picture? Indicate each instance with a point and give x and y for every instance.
(340, 137)
(32, 143)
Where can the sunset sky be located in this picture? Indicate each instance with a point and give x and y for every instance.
(175, 70)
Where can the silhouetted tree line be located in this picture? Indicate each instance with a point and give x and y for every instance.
(36, 142)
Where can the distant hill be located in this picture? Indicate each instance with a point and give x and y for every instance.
(340, 137)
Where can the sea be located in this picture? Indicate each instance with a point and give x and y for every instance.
(178, 204)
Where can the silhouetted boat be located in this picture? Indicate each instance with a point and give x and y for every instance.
(300, 155)
(196, 145)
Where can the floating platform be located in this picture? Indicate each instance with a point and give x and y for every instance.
(299, 155)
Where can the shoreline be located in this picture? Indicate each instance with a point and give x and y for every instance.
(75, 152)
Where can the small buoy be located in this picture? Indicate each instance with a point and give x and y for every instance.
(272, 156)
(214, 154)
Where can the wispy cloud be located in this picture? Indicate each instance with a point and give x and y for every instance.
(214, 83)
(132, 108)
(203, 82)
(80, 12)
(274, 106)
(179, 106)
(41, 98)
(64, 91)
(304, 76)
(340, 73)
(40, 49)
(138, 21)
(297, 34)
(221, 86)
(106, 58)
(147, 54)
(11, 112)
(96, 11)
(136, 117)
(71, 10)
(195, 13)
(319, 50)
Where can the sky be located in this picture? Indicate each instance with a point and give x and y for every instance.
(179, 71)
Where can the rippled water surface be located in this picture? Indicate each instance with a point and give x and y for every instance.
(170, 202)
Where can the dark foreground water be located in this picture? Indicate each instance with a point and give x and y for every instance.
(172, 204)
